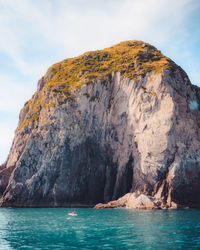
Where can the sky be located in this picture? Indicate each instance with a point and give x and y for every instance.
(36, 34)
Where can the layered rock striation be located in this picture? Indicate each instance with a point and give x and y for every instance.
(124, 120)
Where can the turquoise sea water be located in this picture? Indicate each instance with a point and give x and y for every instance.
(52, 228)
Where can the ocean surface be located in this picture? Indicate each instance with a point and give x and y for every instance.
(52, 228)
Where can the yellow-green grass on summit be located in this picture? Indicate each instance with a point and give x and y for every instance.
(133, 59)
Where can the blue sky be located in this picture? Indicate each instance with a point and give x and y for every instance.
(35, 34)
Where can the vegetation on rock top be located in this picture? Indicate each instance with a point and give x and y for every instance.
(133, 59)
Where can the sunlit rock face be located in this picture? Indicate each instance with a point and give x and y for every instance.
(107, 134)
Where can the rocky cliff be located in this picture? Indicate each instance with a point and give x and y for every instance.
(121, 120)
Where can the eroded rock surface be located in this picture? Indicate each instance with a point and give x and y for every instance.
(112, 136)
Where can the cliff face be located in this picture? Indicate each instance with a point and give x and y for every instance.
(124, 119)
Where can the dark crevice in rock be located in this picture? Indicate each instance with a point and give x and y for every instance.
(124, 181)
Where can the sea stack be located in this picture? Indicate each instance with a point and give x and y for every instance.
(119, 122)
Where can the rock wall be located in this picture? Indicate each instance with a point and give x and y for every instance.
(111, 137)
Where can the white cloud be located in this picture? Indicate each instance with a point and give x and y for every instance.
(75, 31)
(4, 148)
(13, 94)
(6, 137)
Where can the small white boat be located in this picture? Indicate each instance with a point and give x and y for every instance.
(72, 214)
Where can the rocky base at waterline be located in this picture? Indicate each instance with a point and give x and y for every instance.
(138, 201)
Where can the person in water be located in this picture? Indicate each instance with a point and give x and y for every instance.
(73, 211)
